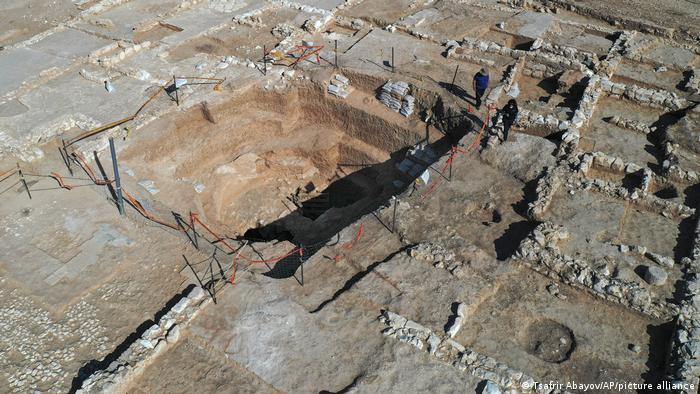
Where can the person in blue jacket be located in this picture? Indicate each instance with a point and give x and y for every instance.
(480, 84)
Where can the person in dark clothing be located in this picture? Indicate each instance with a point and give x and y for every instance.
(480, 84)
(510, 113)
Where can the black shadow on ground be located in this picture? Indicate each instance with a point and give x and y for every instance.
(347, 207)
(507, 244)
(95, 365)
(659, 341)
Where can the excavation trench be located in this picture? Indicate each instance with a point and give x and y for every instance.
(295, 166)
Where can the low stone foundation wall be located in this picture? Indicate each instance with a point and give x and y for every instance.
(450, 351)
(647, 97)
(540, 252)
(144, 350)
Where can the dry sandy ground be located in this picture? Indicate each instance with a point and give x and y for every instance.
(22, 19)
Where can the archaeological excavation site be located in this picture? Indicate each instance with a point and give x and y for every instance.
(349, 196)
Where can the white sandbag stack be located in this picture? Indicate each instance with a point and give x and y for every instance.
(395, 96)
(339, 86)
(407, 106)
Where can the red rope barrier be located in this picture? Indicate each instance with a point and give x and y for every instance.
(456, 150)
(195, 218)
(352, 243)
(60, 181)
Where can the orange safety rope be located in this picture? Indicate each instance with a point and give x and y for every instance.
(273, 260)
(145, 213)
(349, 245)
(88, 170)
(352, 243)
(316, 49)
(61, 183)
(7, 174)
(137, 205)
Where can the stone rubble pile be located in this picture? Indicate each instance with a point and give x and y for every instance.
(452, 352)
(540, 252)
(633, 125)
(619, 49)
(548, 63)
(456, 321)
(349, 23)
(684, 354)
(529, 119)
(438, 256)
(677, 174)
(582, 115)
(546, 188)
(394, 94)
(123, 50)
(589, 59)
(226, 6)
(639, 196)
(610, 163)
(38, 349)
(154, 341)
(339, 86)
(586, 106)
(648, 97)
(693, 84)
(495, 130)
(474, 59)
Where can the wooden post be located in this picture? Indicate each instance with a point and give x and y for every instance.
(264, 59)
(454, 78)
(393, 67)
(336, 53)
(24, 182)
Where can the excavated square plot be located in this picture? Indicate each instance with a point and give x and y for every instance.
(598, 225)
(580, 38)
(646, 75)
(120, 21)
(513, 325)
(448, 22)
(235, 40)
(70, 44)
(380, 12)
(679, 57)
(631, 146)
(543, 96)
(63, 248)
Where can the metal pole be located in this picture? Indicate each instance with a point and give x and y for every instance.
(450, 179)
(24, 182)
(454, 78)
(264, 59)
(393, 222)
(177, 97)
(336, 53)
(117, 180)
(301, 258)
(64, 153)
(392, 60)
(194, 231)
